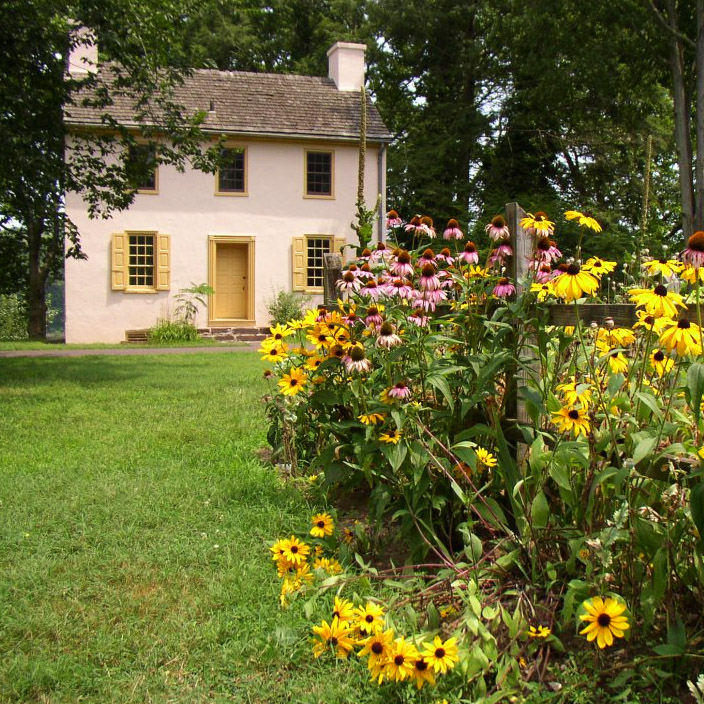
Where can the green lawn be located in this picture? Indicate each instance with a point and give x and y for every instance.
(134, 526)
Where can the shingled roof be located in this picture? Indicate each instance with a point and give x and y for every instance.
(264, 104)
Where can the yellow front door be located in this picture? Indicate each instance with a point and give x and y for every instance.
(231, 285)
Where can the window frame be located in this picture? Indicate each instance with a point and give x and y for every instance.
(299, 252)
(152, 148)
(245, 192)
(306, 191)
(120, 262)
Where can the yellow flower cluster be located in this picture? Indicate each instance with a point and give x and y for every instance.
(297, 564)
(389, 658)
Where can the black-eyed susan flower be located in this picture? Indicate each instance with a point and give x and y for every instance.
(598, 267)
(279, 331)
(323, 525)
(293, 382)
(657, 301)
(391, 436)
(539, 632)
(693, 254)
(343, 610)
(274, 353)
(661, 362)
(618, 362)
(574, 420)
(441, 656)
(401, 659)
(683, 337)
(693, 275)
(538, 224)
(605, 619)
(574, 283)
(542, 291)
(336, 635)
(327, 564)
(664, 267)
(484, 457)
(616, 337)
(377, 648)
(422, 673)
(371, 418)
(573, 393)
(583, 219)
(295, 551)
(370, 618)
(650, 322)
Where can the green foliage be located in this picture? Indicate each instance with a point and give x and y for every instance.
(188, 300)
(13, 317)
(173, 331)
(283, 306)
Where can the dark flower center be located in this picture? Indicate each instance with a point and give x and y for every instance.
(540, 215)
(445, 252)
(659, 356)
(293, 382)
(662, 261)
(373, 310)
(392, 215)
(428, 270)
(377, 648)
(426, 220)
(349, 276)
(421, 665)
(452, 223)
(696, 241)
(415, 220)
(428, 254)
(356, 354)
(400, 385)
(398, 660)
(294, 549)
(380, 247)
(321, 524)
(544, 244)
(574, 415)
(439, 653)
(367, 253)
(333, 640)
(660, 290)
(563, 267)
(404, 257)
(386, 328)
(603, 620)
(470, 247)
(683, 324)
(369, 618)
(498, 221)
(365, 266)
(503, 281)
(573, 269)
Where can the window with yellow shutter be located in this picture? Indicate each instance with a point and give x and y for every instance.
(141, 262)
(308, 253)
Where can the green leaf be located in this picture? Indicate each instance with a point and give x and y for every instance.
(677, 635)
(695, 386)
(440, 383)
(650, 401)
(539, 511)
(644, 448)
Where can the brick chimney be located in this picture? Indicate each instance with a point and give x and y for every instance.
(83, 57)
(346, 65)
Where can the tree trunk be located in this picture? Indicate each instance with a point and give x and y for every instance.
(683, 137)
(699, 168)
(36, 288)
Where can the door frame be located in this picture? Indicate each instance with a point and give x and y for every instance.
(213, 242)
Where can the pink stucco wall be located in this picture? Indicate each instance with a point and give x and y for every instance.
(273, 212)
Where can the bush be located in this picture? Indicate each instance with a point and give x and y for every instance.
(285, 306)
(13, 317)
(173, 331)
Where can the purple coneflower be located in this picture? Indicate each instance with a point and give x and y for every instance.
(428, 257)
(417, 318)
(382, 252)
(543, 273)
(387, 337)
(497, 229)
(426, 226)
(429, 280)
(349, 282)
(546, 251)
(401, 288)
(413, 224)
(693, 255)
(370, 289)
(429, 299)
(392, 219)
(356, 360)
(399, 391)
(445, 256)
(322, 314)
(365, 272)
(452, 231)
(373, 318)
(365, 255)
(499, 254)
(469, 254)
(504, 288)
(402, 266)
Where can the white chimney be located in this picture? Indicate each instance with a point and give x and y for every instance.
(83, 57)
(346, 65)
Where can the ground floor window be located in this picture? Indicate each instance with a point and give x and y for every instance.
(141, 262)
(308, 260)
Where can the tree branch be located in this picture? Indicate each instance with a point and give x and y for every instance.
(675, 33)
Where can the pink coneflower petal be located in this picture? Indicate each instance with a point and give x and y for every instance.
(399, 391)
(445, 256)
(469, 254)
(504, 288)
(392, 219)
(497, 228)
(693, 255)
(429, 280)
(452, 231)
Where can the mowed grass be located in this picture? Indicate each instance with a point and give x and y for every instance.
(135, 519)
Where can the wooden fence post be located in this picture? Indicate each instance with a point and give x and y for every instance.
(332, 273)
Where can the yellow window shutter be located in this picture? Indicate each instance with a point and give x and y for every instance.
(163, 262)
(298, 250)
(118, 261)
(338, 244)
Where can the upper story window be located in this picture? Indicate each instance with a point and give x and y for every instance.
(231, 178)
(319, 174)
(143, 168)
